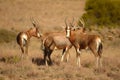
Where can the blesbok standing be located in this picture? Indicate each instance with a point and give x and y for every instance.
(82, 40)
(23, 38)
(55, 40)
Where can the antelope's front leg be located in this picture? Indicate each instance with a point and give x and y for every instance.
(68, 55)
(63, 55)
(78, 53)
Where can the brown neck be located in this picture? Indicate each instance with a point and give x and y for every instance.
(29, 34)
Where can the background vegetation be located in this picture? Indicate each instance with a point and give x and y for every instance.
(7, 36)
(102, 13)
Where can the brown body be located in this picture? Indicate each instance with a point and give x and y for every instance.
(82, 40)
(23, 38)
(55, 40)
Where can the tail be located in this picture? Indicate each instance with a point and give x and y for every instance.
(47, 43)
(18, 38)
(100, 49)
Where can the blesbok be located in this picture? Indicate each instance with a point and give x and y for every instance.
(82, 40)
(55, 40)
(23, 38)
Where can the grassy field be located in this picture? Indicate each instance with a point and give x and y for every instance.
(50, 15)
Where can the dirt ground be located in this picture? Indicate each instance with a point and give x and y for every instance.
(50, 15)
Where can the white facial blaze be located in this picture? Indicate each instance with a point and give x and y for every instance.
(68, 32)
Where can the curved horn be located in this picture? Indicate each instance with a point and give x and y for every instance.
(72, 21)
(82, 22)
(65, 21)
(33, 21)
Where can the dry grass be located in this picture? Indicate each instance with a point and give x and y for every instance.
(15, 16)
(33, 68)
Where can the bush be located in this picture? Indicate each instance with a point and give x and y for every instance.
(102, 12)
(6, 36)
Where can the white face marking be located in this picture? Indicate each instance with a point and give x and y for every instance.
(68, 32)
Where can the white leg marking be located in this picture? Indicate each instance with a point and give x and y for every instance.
(68, 55)
(46, 63)
(78, 58)
(78, 61)
(64, 54)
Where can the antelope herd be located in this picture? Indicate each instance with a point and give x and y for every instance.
(71, 36)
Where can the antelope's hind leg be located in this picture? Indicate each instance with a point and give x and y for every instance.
(66, 54)
(22, 49)
(97, 62)
(45, 57)
(26, 46)
(49, 56)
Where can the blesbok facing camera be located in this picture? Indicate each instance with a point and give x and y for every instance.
(82, 40)
(23, 38)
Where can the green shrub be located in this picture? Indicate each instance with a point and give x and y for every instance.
(6, 36)
(102, 12)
